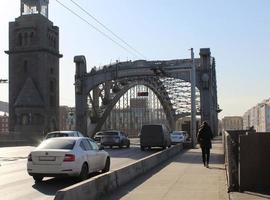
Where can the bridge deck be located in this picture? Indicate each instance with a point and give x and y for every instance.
(184, 177)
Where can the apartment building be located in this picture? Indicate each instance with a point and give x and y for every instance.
(4, 124)
(232, 123)
(66, 118)
(258, 117)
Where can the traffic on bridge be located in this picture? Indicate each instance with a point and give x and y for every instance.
(17, 184)
(140, 128)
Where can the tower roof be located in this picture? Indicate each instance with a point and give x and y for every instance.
(29, 7)
(29, 95)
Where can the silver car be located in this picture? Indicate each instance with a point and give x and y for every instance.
(114, 138)
(178, 137)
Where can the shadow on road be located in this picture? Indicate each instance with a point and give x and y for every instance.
(51, 185)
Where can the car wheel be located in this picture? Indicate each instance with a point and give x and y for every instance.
(38, 178)
(142, 148)
(128, 144)
(107, 165)
(84, 172)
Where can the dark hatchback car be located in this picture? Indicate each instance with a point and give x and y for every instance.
(154, 135)
(114, 138)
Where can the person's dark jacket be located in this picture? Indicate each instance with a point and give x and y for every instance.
(204, 136)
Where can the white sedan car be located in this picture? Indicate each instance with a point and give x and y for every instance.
(67, 156)
(178, 136)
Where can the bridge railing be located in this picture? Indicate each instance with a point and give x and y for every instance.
(13, 138)
(246, 160)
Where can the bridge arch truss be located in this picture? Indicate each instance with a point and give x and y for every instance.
(98, 91)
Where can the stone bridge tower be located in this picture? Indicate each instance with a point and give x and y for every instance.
(33, 71)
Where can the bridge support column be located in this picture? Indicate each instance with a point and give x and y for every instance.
(96, 101)
(215, 101)
(207, 90)
(107, 88)
(80, 95)
(173, 124)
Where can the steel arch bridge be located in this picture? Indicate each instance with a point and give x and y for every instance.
(98, 91)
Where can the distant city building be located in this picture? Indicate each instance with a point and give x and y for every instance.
(4, 124)
(3, 107)
(139, 103)
(63, 115)
(220, 127)
(184, 124)
(33, 71)
(131, 119)
(258, 117)
(232, 123)
(66, 118)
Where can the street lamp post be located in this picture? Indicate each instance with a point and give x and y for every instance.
(193, 100)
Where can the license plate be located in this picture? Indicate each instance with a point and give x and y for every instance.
(47, 158)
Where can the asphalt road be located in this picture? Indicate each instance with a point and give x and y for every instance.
(17, 184)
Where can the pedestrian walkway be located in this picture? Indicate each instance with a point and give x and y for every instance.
(183, 177)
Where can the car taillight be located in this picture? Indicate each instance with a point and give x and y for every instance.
(29, 157)
(69, 158)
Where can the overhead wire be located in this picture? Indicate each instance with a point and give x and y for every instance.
(101, 32)
(108, 29)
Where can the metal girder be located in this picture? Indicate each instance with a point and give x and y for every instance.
(161, 94)
(169, 80)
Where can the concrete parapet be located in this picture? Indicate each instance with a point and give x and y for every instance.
(129, 172)
(89, 189)
(97, 186)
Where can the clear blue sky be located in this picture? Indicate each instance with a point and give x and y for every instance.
(237, 32)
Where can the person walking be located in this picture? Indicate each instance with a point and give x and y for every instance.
(204, 139)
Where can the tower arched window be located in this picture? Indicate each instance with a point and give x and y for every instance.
(52, 86)
(25, 119)
(54, 42)
(25, 66)
(52, 101)
(25, 38)
(20, 39)
(31, 37)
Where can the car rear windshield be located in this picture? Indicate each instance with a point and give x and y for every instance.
(57, 144)
(110, 133)
(151, 128)
(51, 135)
